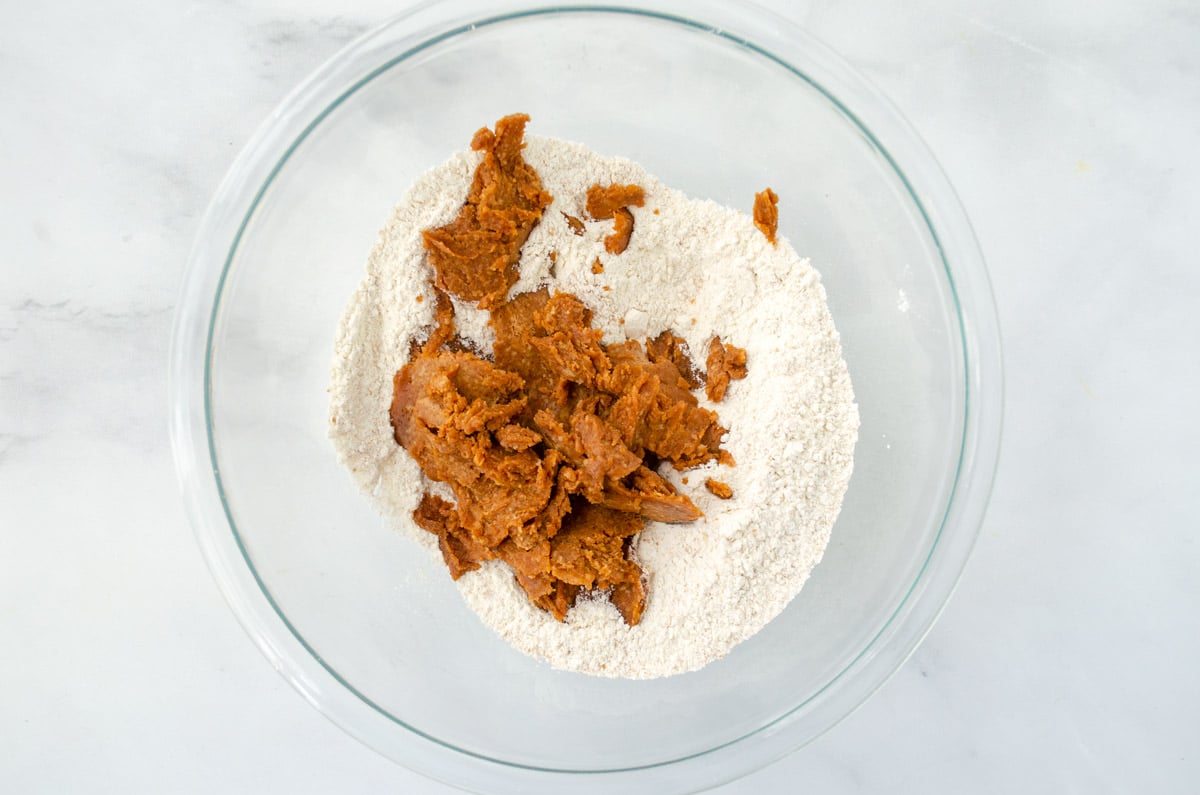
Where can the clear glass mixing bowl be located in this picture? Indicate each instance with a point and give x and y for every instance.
(717, 99)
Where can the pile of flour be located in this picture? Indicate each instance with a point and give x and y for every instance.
(696, 268)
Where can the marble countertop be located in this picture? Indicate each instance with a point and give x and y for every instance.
(1067, 660)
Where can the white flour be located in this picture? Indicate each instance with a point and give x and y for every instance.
(696, 268)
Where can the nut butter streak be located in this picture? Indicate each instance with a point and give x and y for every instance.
(614, 202)
(550, 450)
(766, 214)
(475, 255)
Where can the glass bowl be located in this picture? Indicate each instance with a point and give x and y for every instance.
(716, 99)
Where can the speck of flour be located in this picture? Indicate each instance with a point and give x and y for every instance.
(692, 266)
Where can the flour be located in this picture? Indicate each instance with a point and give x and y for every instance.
(696, 268)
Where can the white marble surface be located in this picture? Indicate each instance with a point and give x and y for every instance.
(1066, 661)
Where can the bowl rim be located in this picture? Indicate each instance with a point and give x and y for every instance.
(746, 25)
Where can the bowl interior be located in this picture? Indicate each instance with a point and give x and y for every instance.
(707, 115)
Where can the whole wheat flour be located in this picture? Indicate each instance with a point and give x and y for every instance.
(696, 268)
